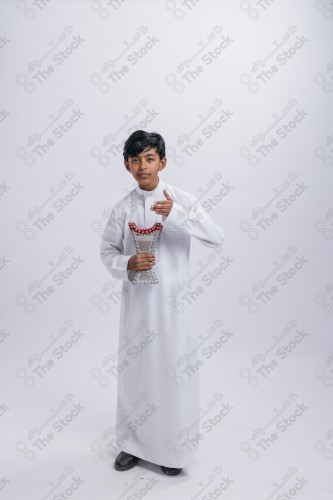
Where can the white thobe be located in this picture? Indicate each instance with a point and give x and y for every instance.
(157, 415)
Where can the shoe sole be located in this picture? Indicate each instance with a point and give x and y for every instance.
(168, 473)
(120, 468)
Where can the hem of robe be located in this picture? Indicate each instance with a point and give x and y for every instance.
(159, 458)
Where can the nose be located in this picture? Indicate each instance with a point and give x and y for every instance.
(143, 167)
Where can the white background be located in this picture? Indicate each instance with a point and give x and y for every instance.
(175, 67)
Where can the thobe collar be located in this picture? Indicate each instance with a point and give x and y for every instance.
(158, 190)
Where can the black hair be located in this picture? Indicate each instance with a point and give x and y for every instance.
(140, 140)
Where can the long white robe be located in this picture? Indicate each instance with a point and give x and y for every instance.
(158, 403)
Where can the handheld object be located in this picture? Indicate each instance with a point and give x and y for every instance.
(145, 240)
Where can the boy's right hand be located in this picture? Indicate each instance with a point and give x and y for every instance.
(141, 262)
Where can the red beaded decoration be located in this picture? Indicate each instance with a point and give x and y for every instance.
(156, 227)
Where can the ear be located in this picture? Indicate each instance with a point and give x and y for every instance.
(162, 163)
(127, 165)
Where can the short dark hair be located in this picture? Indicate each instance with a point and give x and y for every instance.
(140, 140)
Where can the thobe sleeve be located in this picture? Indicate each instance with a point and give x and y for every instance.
(111, 250)
(195, 221)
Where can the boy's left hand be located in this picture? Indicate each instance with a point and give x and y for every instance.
(163, 207)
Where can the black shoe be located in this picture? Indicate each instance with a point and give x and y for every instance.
(170, 471)
(125, 461)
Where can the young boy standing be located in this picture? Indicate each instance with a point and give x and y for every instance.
(158, 402)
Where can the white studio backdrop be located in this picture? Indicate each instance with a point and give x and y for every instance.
(242, 93)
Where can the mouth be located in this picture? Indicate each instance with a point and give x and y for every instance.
(143, 176)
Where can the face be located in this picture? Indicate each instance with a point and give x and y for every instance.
(145, 167)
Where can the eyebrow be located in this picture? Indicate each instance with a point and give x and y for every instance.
(147, 154)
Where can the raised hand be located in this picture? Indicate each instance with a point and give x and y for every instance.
(163, 207)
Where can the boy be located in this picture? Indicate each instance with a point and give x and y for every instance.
(158, 402)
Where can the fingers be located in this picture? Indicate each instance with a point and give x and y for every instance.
(161, 207)
(145, 261)
(166, 194)
(141, 262)
(155, 206)
(146, 256)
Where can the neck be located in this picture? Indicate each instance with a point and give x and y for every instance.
(150, 188)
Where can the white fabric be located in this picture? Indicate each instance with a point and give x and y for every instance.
(158, 403)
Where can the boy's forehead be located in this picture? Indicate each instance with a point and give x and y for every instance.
(146, 152)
